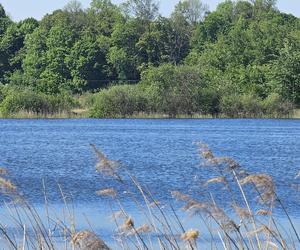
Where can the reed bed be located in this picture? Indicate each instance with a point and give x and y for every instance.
(246, 224)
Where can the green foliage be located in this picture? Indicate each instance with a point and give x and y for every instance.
(286, 74)
(103, 16)
(179, 90)
(233, 61)
(12, 46)
(247, 48)
(145, 10)
(4, 21)
(241, 105)
(123, 53)
(275, 106)
(193, 11)
(173, 90)
(86, 62)
(87, 100)
(28, 101)
(249, 105)
(1, 93)
(119, 101)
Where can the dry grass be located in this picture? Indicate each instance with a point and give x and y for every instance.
(73, 114)
(246, 224)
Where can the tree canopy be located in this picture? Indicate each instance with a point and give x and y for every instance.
(242, 48)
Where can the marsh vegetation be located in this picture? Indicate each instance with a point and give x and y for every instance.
(248, 223)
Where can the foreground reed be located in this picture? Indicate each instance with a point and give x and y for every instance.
(244, 223)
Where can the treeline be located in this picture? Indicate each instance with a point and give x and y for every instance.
(241, 60)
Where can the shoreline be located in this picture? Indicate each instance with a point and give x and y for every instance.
(85, 115)
(147, 118)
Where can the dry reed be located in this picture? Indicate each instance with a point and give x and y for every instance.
(246, 224)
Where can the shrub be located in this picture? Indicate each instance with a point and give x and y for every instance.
(119, 101)
(36, 103)
(230, 105)
(249, 105)
(208, 102)
(245, 105)
(275, 106)
(87, 99)
(175, 90)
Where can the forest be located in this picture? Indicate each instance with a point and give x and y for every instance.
(127, 60)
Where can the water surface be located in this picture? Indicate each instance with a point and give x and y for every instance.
(161, 153)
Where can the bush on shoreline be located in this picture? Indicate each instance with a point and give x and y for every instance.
(38, 104)
(165, 91)
(119, 101)
(252, 106)
(176, 91)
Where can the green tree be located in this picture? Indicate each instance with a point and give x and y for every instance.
(4, 20)
(167, 42)
(285, 76)
(34, 61)
(193, 11)
(56, 73)
(175, 90)
(103, 16)
(123, 52)
(216, 24)
(119, 101)
(243, 9)
(87, 62)
(12, 44)
(146, 10)
(76, 17)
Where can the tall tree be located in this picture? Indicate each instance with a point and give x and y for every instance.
(192, 10)
(56, 73)
(87, 62)
(76, 17)
(263, 6)
(4, 20)
(146, 10)
(265, 3)
(123, 54)
(12, 45)
(103, 15)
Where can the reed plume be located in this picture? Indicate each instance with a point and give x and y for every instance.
(86, 240)
(107, 192)
(265, 186)
(7, 186)
(190, 235)
(105, 166)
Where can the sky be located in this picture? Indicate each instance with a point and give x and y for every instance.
(21, 9)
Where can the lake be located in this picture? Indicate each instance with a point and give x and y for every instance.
(161, 153)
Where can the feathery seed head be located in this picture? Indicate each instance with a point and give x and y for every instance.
(107, 192)
(264, 184)
(7, 185)
(3, 171)
(242, 212)
(263, 212)
(220, 179)
(190, 235)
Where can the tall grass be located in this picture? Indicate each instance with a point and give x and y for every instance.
(246, 224)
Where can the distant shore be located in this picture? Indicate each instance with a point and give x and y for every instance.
(84, 114)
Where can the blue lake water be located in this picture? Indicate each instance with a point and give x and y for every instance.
(160, 153)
